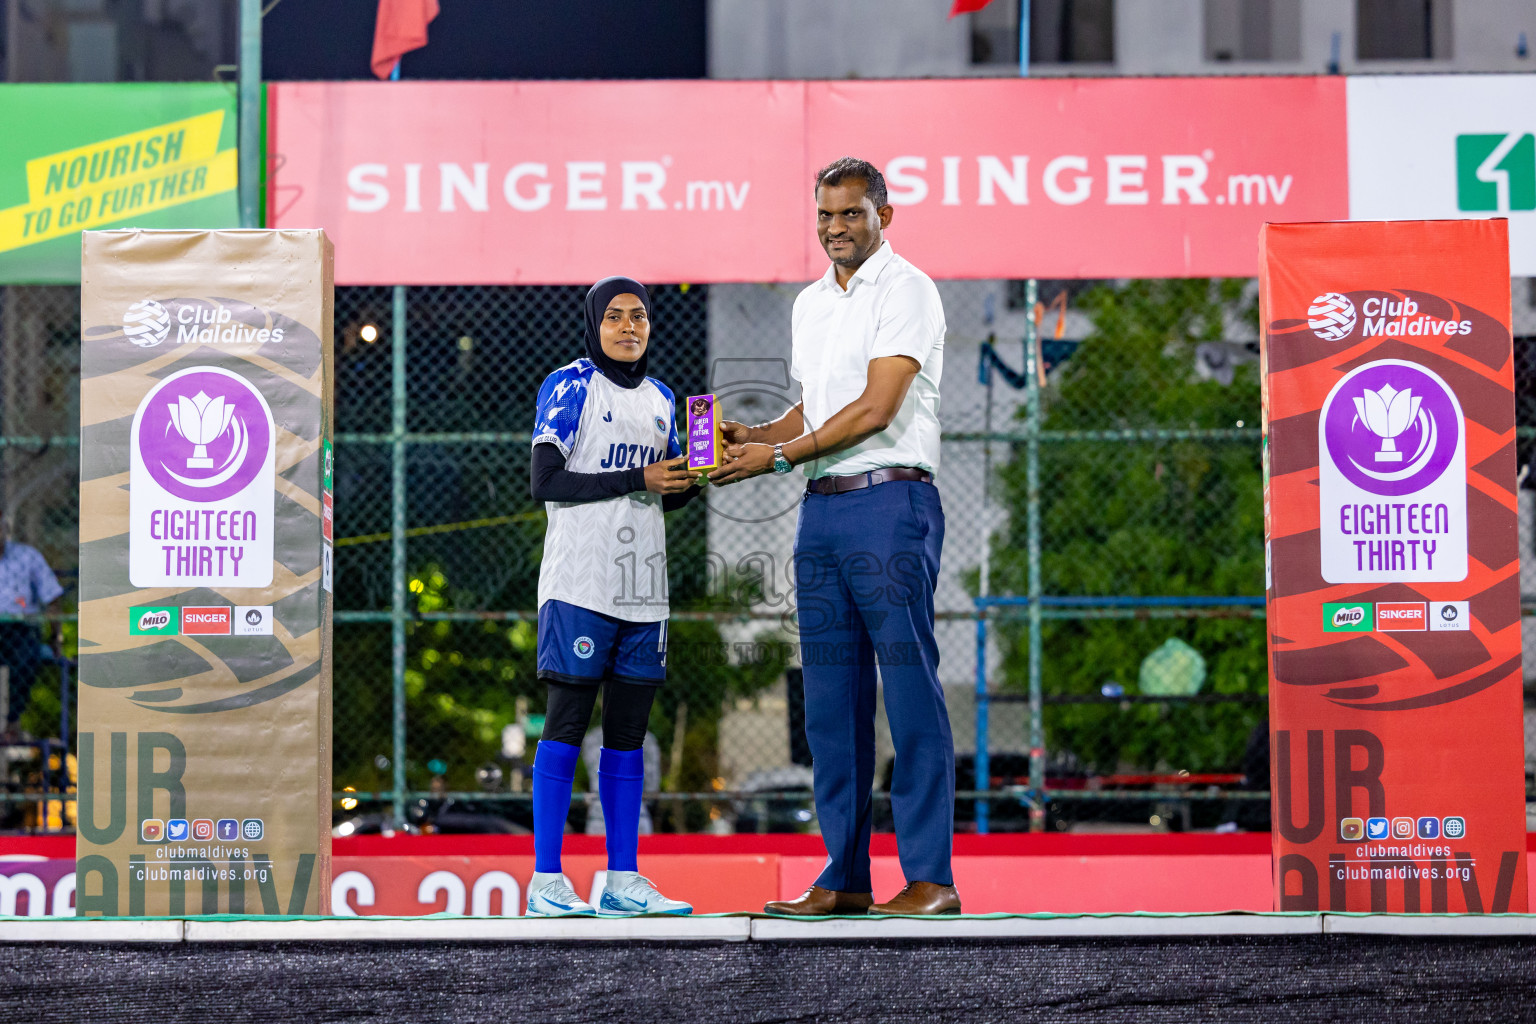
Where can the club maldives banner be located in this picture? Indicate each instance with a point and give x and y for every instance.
(205, 572)
(486, 875)
(1393, 575)
(550, 182)
(75, 157)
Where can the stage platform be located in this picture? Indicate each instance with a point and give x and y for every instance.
(1090, 967)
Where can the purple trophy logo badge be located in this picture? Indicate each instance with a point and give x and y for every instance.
(204, 435)
(1391, 428)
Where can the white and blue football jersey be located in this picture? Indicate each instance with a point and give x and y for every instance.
(609, 556)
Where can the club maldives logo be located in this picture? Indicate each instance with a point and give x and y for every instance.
(583, 647)
(1331, 316)
(1393, 429)
(146, 323)
(205, 434)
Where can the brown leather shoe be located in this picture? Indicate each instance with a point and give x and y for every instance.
(819, 902)
(921, 898)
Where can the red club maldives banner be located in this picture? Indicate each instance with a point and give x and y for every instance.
(1394, 597)
(556, 182)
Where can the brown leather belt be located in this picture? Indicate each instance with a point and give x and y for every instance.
(858, 481)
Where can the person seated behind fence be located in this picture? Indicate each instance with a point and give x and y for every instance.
(606, 463)
(27, 587)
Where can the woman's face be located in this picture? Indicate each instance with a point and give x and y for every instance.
(626, 329)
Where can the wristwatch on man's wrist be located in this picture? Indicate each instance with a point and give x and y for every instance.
(780, 463)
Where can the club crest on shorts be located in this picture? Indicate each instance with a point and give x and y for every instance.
(583, 647)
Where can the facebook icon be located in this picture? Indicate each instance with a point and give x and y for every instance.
(229, 830)
(1429, 828)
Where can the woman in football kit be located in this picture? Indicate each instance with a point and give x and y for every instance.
(606, 463)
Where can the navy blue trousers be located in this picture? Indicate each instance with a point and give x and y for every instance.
(866, 564)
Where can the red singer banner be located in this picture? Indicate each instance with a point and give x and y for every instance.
(545, 182)
(1085, 177)
(1393, 590)
(561, 182)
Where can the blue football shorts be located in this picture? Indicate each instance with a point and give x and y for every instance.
(578, 645)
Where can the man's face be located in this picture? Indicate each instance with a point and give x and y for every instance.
(848, 223)
(626, 329)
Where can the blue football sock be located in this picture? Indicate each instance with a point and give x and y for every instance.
(620, 784)
(554, 769)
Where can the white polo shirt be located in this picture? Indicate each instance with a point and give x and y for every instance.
(890, 308)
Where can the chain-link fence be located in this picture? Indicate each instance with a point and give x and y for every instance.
(1100, 621)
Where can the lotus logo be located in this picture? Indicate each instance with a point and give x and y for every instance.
(1351, 616)
(1331, 316)
(146, 323)
(154, 620)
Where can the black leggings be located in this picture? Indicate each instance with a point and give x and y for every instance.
(626, 710)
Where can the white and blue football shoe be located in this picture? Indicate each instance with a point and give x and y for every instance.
(626, 893)
(550, 895)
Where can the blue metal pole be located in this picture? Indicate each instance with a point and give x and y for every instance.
(397, 545)
(1032, 370)
(1023, 38)
(251, 145)
(983, 764)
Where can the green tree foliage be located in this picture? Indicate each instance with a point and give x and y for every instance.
(1146, 518)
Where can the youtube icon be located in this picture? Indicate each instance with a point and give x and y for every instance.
(210, 621)
(1402, 616)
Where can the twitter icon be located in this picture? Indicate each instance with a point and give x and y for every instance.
(176, 830)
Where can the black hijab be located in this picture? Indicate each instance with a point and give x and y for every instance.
(625, 375)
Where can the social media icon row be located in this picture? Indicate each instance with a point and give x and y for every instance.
(200, 830)
(1355, 829)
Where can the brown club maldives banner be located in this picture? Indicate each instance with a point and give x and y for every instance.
(1393, 589)
(205, 573)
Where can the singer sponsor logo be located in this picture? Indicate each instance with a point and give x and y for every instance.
(211, 621)
(1401, 616)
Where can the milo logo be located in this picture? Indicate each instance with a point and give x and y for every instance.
(153, 621)
(1355, 617)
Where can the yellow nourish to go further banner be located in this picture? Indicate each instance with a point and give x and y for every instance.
(78, 157)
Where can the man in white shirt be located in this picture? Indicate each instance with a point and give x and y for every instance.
(868, 350)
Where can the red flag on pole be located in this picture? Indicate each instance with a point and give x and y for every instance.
(967, 7)
(401, 28)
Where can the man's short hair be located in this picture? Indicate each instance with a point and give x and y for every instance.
(851, 168)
